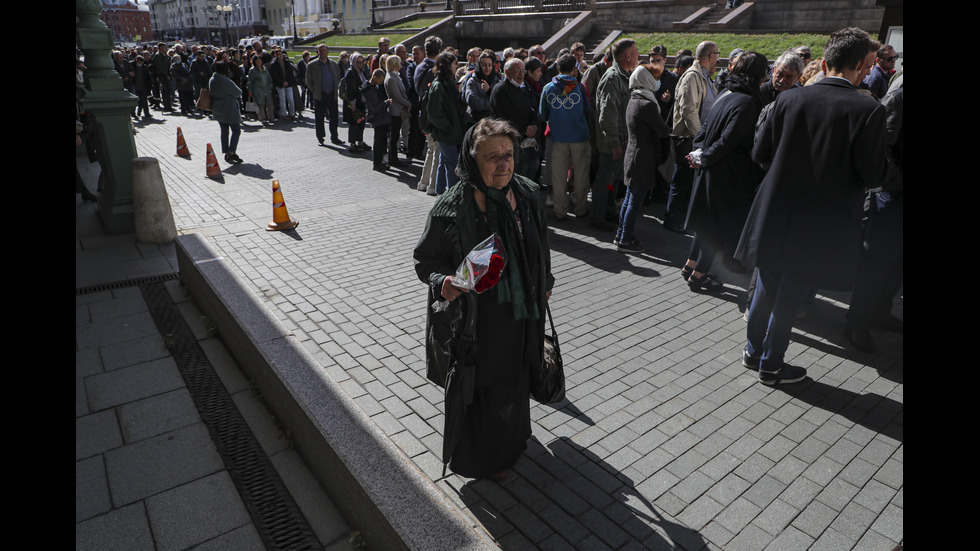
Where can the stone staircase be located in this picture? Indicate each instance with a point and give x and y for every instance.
(713, 18)
(599, 40)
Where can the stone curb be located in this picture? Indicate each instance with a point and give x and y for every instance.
(381, 491)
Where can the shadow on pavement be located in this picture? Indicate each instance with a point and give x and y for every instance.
(876, 413)
(569, 498)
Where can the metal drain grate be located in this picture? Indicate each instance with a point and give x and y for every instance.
(274, 513)
(126, 283)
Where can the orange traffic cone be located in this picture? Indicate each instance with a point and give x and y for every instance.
(280, 216)
(182, 150)
(213, 170)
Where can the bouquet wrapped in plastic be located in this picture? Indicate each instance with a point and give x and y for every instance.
(481, 268)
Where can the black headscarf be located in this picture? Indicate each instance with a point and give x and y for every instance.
(501, 219)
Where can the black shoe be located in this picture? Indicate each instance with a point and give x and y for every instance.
(380, 168)
(787, 374)
(335, 141)
(686, 272)
(748, 361)
(704, 284)
(236, 159)
(320, 140)
(674, 229)
(632, 246)
(860, 338)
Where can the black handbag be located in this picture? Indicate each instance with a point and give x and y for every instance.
(548, 377)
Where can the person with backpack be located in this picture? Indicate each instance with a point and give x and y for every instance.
(423, 78)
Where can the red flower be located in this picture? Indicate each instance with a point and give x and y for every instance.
(496, 264)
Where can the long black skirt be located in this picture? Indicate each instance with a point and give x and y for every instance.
(497, 424)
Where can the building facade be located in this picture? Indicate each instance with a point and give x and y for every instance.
(127, 21)
(218, 22)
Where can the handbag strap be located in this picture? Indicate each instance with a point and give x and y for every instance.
(554, 334)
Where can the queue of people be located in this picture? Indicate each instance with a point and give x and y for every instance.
(765, 168)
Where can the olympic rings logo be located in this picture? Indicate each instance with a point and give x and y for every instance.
(564, 102)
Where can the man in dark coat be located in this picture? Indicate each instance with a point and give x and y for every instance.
(201, 71)
(880, 272)
(786, 73)
(160, 66)
(323, 80)
(509, 102)
(824, 147)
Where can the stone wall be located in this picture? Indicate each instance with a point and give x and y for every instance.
(767, 15)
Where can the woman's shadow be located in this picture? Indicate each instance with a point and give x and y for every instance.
(563, 496)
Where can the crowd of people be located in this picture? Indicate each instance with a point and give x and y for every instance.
(791, 169)
(603, 139)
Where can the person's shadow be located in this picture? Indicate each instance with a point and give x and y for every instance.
(563, 496)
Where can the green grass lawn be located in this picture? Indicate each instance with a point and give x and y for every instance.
(770, 45)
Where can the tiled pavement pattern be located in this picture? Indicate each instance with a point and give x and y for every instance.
(665, 442)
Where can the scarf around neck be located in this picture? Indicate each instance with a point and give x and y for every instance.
(501, 219)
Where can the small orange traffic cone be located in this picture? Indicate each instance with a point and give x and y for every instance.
(280, 216)
(213, 170)
(182, 150)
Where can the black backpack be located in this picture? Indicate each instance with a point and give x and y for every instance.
(424, 123)
(425, 82)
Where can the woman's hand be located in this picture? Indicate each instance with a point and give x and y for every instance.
(450, 291)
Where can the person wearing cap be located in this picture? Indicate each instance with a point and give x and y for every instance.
(722, 77)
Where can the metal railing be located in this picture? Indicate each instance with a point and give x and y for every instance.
(480, 7)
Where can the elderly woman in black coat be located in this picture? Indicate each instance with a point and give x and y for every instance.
(647, 147)
(726, 177)
(489, 198)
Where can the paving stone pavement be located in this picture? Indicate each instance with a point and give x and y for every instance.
(665, 441)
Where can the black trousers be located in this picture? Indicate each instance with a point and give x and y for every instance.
(323, 107)
(380, 143)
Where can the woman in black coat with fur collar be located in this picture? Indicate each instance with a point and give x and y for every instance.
(726, 177)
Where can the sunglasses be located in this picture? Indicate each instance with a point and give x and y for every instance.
(892, 58)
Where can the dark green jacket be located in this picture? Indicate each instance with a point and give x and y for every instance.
(224, 99)
(445, 113)
(443, 245)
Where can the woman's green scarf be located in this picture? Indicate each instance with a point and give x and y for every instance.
(514, 288)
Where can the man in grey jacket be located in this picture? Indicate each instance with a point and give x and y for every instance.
(323, 80)
(612, 96)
